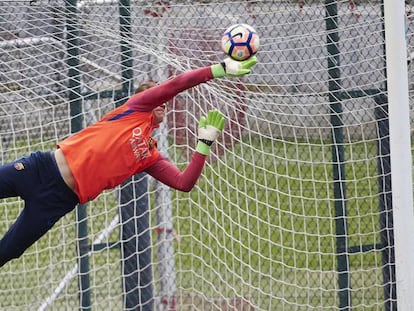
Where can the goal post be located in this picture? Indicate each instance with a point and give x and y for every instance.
(305, 202)
(400, 150)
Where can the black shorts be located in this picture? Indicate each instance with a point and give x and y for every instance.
(37, 180)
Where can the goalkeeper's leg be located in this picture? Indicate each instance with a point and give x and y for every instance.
(34, 221)
(22, 234)
(47, 198)
(14, 177)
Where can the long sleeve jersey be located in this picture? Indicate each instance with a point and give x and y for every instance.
(120, 145)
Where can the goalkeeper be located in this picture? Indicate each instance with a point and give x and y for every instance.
(104, 155)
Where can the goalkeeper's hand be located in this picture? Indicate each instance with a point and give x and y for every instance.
(208, 130)
(233, 68)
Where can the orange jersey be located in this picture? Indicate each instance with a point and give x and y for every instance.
(110, 151)
(120, 145)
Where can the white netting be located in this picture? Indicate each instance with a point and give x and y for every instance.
(287, 214)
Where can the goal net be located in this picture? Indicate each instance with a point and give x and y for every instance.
(293, 209)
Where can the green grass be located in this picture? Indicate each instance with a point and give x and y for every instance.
(260, 224)
(270, 223)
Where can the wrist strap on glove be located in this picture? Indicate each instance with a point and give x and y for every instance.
(218, 70)
(203, 148)
(207, 142)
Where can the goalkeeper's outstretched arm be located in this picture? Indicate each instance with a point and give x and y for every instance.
(160, 94)
(163, 170)
(169, 174)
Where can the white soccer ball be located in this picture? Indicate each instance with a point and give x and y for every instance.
(240, 41)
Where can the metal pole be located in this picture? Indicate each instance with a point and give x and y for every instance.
(76, 125)
(338, 155)
(134, 206)
(400, 150)
(385, 202)
(165, 232)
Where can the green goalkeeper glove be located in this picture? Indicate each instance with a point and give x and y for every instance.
(233, 68)
(208, 130)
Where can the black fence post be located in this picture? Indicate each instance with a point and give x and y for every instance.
(385, 202)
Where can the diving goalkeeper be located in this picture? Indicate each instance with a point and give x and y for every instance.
(104, 155)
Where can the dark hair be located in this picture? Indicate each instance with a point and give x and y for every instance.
(147, 85)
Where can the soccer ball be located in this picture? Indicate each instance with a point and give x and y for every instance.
(240, 41)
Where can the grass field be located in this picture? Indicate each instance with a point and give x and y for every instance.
(271, 226)
(260, 224)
